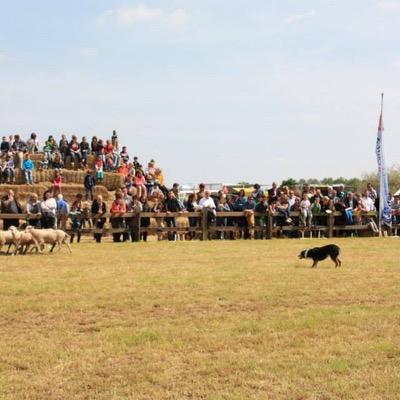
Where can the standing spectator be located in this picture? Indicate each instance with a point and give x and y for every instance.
(5, 146)
(114, 140)
(76, 218)
(62, 212)
(93, 144)
(33, 210)
(32, 144)
(171, 204)
(273, 193)
(305, 211)
(49, 209)
(99, 209)
(19, 148)
(89, 184)
(118, 209)
(28, 168)
(316, 210)
(10, 205)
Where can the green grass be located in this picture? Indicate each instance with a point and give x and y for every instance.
(201, 320)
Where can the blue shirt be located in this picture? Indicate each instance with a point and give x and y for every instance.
(28, 165)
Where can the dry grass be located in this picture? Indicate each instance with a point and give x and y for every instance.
(217, 320)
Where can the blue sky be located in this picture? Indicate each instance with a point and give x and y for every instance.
(215, 91)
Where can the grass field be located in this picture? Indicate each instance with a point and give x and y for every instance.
(201, 320)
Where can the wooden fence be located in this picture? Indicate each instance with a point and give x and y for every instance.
(267, 224)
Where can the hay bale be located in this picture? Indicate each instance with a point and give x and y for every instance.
(24, 191)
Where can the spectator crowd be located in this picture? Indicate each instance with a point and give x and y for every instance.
(144, 190)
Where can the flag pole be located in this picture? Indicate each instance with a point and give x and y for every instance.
(380, 174)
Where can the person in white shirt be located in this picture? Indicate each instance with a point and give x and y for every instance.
(49, 208)
(367, 202)
(207, 205)
(207, 201)
(305, 211)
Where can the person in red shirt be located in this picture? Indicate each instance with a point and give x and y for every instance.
(118, 209)
(140, 183)
(57, 182)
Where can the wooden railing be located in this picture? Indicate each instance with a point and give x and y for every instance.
(204, 230)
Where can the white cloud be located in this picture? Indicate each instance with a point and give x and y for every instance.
(389, 4)
(178, 17)
(129, 16)
(298, 17)
(88, 52)
(5, 57)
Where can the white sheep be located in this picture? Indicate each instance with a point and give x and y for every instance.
(6, 237)
(49, 236)
(22, 241)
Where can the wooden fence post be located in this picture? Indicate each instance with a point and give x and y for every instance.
(205, 223)
(331, 221)
(268, 216)
(136, 222)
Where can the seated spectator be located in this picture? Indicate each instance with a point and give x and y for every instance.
(28, 168)
(49, 209)
(136, 164)
(63, 148)
(350, 207)
(85, 149)
(34, 210)
(57, 183)
(9, 171)
(50, 147)
(75, 152)
(3, 166)
(32, 144)
(282, 208)
(99, 170)
(124, 154)
(58, 162)
(140, 183)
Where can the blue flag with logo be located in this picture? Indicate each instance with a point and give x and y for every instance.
(384, 200)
